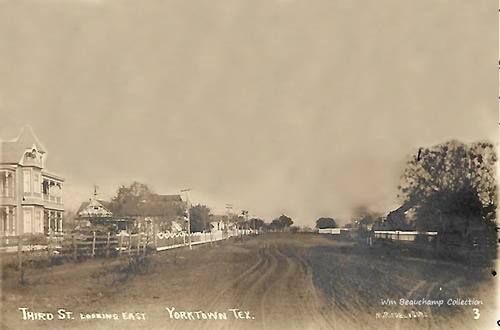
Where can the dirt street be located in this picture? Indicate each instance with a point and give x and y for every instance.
(273, 281)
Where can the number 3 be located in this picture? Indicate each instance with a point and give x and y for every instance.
(476, 313)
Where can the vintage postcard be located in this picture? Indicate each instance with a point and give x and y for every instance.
(248, 164)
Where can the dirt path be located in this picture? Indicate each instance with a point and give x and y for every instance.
(266, 282)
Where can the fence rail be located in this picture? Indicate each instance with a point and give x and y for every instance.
(79, 245)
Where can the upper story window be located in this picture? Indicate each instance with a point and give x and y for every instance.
(6, 184)
(36, 182)
(27, 181)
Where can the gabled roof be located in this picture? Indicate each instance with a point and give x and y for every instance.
(168, 198)
(155, 206)
(94, 209)
(85, 204)
(13, 151)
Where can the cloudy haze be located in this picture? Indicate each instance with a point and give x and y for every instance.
(308, 108)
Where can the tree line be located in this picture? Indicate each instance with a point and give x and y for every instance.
(138, 201)
(449, 188)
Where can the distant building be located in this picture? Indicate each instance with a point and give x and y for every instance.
(30, 197)
(399, 219)
(94, 211)
(163, 210)
(218, 223)
(97, 212)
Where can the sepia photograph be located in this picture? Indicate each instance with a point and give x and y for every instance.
(249, 164)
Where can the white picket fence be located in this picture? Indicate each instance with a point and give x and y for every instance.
(401, 235)
(167, 240)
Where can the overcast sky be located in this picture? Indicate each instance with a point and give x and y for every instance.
(308, 108)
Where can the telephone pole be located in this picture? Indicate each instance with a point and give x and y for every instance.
(245, 214)
(188, 215)
(229, 207)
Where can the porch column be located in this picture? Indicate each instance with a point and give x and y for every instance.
(5, 220)
(53, 216)
(60, 222)
(48, 222)
(14, 221)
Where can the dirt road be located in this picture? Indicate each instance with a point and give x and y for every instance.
(274, 281)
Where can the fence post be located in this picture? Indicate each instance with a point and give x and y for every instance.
(145, 246)
(155, 233)
(120, 245)
(138, 244)
(49, 247)
(146, 241)
(129, 243)
(20, 252)
(93, 244)
(75, 248)
(107, 245)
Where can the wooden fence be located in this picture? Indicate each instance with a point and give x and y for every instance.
(79, 246)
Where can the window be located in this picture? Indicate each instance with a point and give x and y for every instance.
(6, 188)
(27, 221)
(36, 182)
(38, 222)
(27, 181)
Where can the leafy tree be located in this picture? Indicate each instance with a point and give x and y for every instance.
(232, 220)
(285, 221)
(396, 220)
(70, 220)
(259, 223)
(132, 200)
(364, 216)
(139, 200)
(452, 186)
(322, 223)
(200, 217)
(281, 223)
(276, 225)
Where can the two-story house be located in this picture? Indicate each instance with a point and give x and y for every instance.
(30, 197)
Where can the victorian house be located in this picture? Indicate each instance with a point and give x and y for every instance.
(97, 213)
(30, 197)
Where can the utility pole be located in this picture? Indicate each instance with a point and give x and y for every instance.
(229, 207)
(245, 214)
(188, 215)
